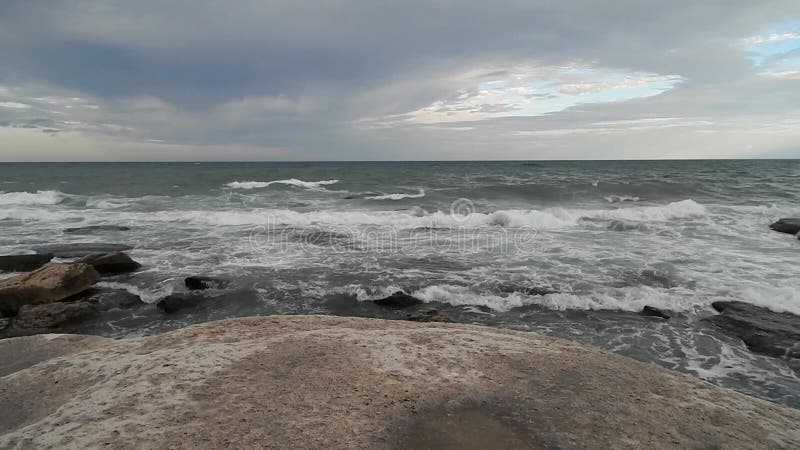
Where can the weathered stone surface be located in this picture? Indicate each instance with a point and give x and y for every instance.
(762, 330)
(432, 315)
(651, 311)
(23, 263)
(398, 300)
(37, 318)
(80, 250)
(332, 382)
(111, 263)
(95, 229)
(49, 284)
(199, 283)
(790, 226)
(176, 302)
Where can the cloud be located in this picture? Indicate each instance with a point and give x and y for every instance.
(349, 79)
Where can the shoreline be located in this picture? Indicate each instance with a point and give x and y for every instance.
(289, 381)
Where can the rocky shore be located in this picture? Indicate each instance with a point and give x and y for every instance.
(328, 382)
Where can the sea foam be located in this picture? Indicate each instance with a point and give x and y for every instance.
(290, 182)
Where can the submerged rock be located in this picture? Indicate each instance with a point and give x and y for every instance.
(177, 302)
(790, 226)
(111, 263)
(51, 283)
(108, 299)
(80, 250)
(95, 229)
(432, 315)
(399, 384)
(202, 283)
(398, 300)
(762, 330)
(23, 263)
(651, 311)
(39, 318)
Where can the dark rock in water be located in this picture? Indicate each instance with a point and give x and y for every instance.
(762, 330)
(111, 263)
(176, 302)
(23, 263)
(95, 229)
(398, 300)
(432, 315)
(51, 283)
(80, 250)
(790, 226)
(42, 318)
(203, 283)
(108, 299)
(650, 311)
(527, 290)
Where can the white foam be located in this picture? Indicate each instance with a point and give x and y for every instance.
(420, 194)
(316, 185)
(32, 198)
(621, 198)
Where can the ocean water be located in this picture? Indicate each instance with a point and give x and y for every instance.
(570, 249)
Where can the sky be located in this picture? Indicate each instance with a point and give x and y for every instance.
(196, 80)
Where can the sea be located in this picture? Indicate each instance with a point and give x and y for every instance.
(571, 249)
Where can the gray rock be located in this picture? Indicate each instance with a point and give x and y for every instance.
(95, 229)
(432, 315)
(398, 300)
(38, 318)
(762, 330)
(80, 250)
(51, 283)
(199, 283)
(23, 263)
(790, 226)
(177, 302)
(651, 311)
(111, 263)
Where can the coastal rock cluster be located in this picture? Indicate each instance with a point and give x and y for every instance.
(334, 382)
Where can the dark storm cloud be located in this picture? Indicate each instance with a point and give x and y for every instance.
(299, 75)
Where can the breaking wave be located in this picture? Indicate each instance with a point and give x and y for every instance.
(32, 198)
(290, 182)
(420, 194)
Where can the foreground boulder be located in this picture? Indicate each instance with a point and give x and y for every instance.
(203, 283)
(790, 226)
(80, 250)
(95, 229)
(333, 382)
(23, 263)
(398, 300)
(111, 263)
(762, 330)
(51, 283)
(39, 318)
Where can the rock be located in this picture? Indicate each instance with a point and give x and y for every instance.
(790, 226)
(95, 228)
(398, 300)
(108, 299)
(762, 330)
(51, 283)
(176, 302)
(23, 263)
(111, 263)
(80, 250)
(202, 283)
(399, 384)
(36, 318)
(431, 315)
(651, 311)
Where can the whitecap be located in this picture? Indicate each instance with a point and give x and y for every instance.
(420, 194)
(32, 198)
(316, 185)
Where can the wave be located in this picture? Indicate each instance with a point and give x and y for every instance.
(621, 198)
(315, 185)
(32, 198)
(420, 194)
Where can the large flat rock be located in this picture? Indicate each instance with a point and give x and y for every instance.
(330, 382)
(51, 283)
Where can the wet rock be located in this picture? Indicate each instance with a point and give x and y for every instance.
(80, 250)
(398, 300)
(790, 226)
(762, 330)
(111, 263)
(203, 283)
(651, 311)
(432, 315)
(42, 318)
(23, 263)
(51, 283)
(108, 299)
(177, 302)
(95, 229)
